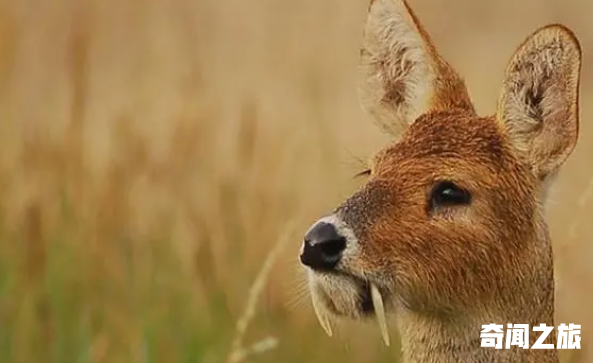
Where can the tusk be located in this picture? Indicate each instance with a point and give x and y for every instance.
(380, 312)
(321, 315)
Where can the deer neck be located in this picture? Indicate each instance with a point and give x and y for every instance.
(434, 338)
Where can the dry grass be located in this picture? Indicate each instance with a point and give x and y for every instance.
(152, 154)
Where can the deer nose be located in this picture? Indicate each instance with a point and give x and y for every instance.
(323, 247)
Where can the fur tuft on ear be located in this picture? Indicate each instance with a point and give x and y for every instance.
(401, 74)
(538, 106)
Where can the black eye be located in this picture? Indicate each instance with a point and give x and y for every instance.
(366, 172)
(448, 194)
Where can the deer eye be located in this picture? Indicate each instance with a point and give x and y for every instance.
(365, 172)
(446, 194)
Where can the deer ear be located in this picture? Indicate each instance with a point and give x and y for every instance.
(538, 107)
(401, 74)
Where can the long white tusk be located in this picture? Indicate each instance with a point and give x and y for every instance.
(380, 312)
(321, 315)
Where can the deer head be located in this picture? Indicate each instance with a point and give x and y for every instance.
(449, 225)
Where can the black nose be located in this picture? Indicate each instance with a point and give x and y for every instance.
(323, 247)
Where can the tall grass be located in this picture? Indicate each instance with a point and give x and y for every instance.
(153, 154)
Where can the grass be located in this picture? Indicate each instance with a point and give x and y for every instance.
(153, 156)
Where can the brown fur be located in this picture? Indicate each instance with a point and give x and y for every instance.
(444, 272)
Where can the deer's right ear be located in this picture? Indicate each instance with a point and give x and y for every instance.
(538, 107)
(401, 74)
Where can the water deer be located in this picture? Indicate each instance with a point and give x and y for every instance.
(448, 232)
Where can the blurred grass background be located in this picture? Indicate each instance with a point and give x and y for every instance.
(152, 153)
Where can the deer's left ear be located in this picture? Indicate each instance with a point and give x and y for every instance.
(539, 106)
(402, 76)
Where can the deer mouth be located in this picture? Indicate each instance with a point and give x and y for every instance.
(347, 296)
